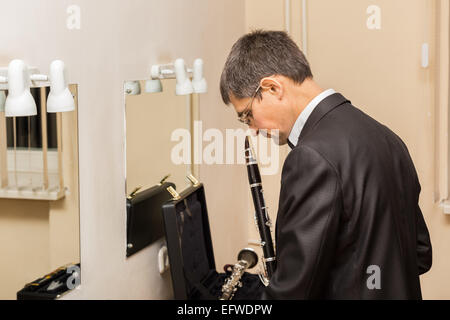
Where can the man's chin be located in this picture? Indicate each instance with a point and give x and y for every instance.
(275, 136)
(279, 141)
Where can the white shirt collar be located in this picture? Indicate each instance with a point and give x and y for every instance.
(304, 115)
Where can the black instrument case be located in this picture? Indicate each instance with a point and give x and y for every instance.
(191, 255)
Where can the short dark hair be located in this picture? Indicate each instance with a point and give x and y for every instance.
(261, 54)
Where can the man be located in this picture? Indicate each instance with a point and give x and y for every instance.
(349, 225)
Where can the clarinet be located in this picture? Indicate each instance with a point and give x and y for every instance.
(262, 219)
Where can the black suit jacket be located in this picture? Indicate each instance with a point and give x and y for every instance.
(349, 225)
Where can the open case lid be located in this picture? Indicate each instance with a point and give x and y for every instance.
(188, 240)
(144, 217)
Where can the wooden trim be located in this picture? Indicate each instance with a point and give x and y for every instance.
(60, 149)
(44, 138)
(194, 116)
(16, 179)
(442, 158)
(3, 152)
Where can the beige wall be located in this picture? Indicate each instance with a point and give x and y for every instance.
(119, 41)
(380, 72)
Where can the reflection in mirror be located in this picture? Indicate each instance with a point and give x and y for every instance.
(151, 118)
(39, 195)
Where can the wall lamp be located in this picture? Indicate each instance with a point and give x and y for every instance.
(20, 102)
(178, 70)
(60, 98)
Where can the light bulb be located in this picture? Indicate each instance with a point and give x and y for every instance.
(198, 81)
(153, 86)
(184, 85)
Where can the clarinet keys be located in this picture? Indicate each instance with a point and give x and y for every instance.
(247, 259)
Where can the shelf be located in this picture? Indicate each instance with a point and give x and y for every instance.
(30, 194)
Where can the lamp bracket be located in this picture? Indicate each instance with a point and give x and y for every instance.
(167, 71)
(39, 80)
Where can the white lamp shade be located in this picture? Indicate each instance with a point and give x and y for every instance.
(155, 71)
(132, 87)
(61, 102)
(20, 102)
(60, 98)
(198, 81)
(153, 85)
(2, 101)
(184, 85)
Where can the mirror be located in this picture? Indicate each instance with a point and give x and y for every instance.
(151, 119)
(39, 193)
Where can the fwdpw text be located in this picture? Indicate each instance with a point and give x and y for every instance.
(258, 309)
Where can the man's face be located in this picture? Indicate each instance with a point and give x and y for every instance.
(268, 114)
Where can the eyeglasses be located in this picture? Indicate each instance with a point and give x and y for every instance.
(246, 115)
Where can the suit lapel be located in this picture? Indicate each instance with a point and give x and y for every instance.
(325, 106)
(290, 144)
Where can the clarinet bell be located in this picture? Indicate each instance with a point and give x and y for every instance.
(249, 255)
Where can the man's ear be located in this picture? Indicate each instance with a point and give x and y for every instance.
(273, 86)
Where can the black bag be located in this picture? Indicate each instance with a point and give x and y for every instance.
(144, 217)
